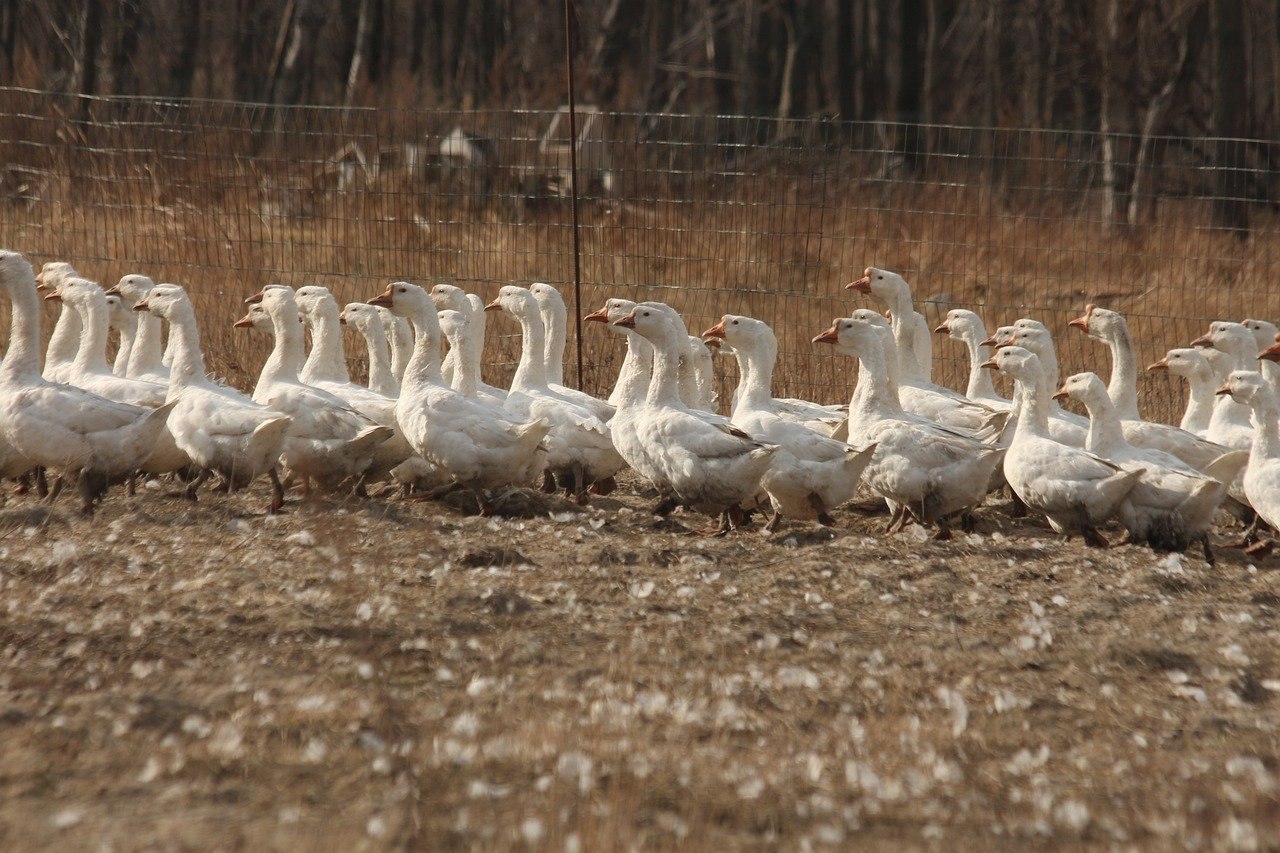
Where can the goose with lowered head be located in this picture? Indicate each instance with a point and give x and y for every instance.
(924, 472)
(810, 474)
(1077, 491)
(219, 428)
(580, 452)
(710, 466)
(1173, 504)
(1110, 327)
(77, 434)
(477, 444)
(327, 442)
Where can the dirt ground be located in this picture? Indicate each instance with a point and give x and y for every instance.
(381, 673)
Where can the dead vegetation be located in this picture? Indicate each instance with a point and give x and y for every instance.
(382, 674)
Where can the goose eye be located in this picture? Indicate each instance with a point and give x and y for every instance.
(879, 278)
(735, 322)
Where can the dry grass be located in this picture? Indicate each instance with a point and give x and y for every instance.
(373, 674)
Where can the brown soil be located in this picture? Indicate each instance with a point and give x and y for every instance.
(381, 673)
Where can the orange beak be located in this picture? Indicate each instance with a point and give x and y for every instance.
(342, 318)
(1007, 342)
(1082, 323)
(716, 331)
(989, 342)
(114, 290)
(1162, 364)
(830, 336)
(1204, 341)
(255, 299)
(53, 296)
(627, 322)
(990, 364)
(1225, 389)
(383, 299)
(142, 306)
(1061, 395)
(944, 329)
(245, 322)
(40, 279)
(862, 285)
(601, 316)
(495, 305)
(1271, 353)
(712, 342)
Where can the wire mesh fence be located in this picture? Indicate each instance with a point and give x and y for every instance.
(763, 217)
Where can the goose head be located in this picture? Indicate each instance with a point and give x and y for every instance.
(454, 325)
(1037, 341)
(1020, 363)
(1264, 332)
(1232, 338)
(962, 325)
(851, 336)
(548, 298)
(613, 311)
(75, 291)
(652, 322)
(132, 287)
(404, 300)
(256, 318)
(315, 301)
(118, 316)
(1000, 334)
(874, 318)
(52, 274)
(16, 272)
(1101, 324)
(883, 284)
(515, 301)
(1085, 387)
(1245, 386)
(363, 317)
(167, 301)
(257, 297)
(449, 297)
(741, 333)
(1187, 362)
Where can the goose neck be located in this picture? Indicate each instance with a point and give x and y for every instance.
(664, 387)
(1123, 387)
(187, 366)
(1105, 435)
(875, 396)
(21, 363)
(327, 360)
(286, 357)
(1033, 410)
(1199, 411)
(980, 386)
(128, 332)
(381, 377)
(756, 377)
(1266, 427)
(65, 341)
(92, 355)
(555, 322)
(633, 376)
(424, 363)
(146, 354)
(531, 372)
(466, 372)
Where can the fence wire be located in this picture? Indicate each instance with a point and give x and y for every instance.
(713, 214)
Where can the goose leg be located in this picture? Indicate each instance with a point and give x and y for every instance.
(277, 493)
(42, 483)
(194, 485)
(92, 487)
(1093, 538)
(603, 487)
(1208, 550)
(944, 529)
(1017, 509)
(1261, 549)
(548, 482)
(131, 484)
(1250, 534)
(665, 506)
(56, 488)
(824, 517)
(580, 486)
(898, 520)
(24, 485)
(772, 524)
(486, 506)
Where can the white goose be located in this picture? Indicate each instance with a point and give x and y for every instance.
(448, 297)
(1110, 327)
(1173, 503)
(327, 442)
(967, 327)
(475, 442)
(400, 336)
(1076, 490)
(555, 319)
(77, 434)
(1231, 424)
(1066, 427)
(65, 340)
(90, 370)
(148, 359)
(368, 321)
(923, 471)
(124, 322)
(1262, 475)
(580, 452)
(219, 428)
(910, 329)
(710, 467)
(1266, 333)
(932, 402)
(810, 474)
(326, 369)
(1191, 365)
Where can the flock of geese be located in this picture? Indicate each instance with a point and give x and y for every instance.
(432, 425)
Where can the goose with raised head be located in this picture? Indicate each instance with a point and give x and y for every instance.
(124, 322)
(79, 435)
(910, 329)
(1262, 474)
(220, 429)
(1191, 365)
(327, 442)
(948, 408)
(1231, 424)
(1173, 504)
(924, 472)
(1066, 427)
(1266, 333)
(64, 343)
(367, 320)
(1110, 327)
(580, 451)
(554, 315)
(810, 474)
(149, 359)
(476, 443)
(326, 369)
(967, 327)
(711, 467)
(400, 336)
(1077, 491)
(448, 297)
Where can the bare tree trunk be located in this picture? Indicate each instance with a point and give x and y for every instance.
(846, 75)
(124, 77)
(1230, 115)
(357, 52)
(1110, 170)
(8, 37)
(182, 73)
(417, 35)
(86, 64)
